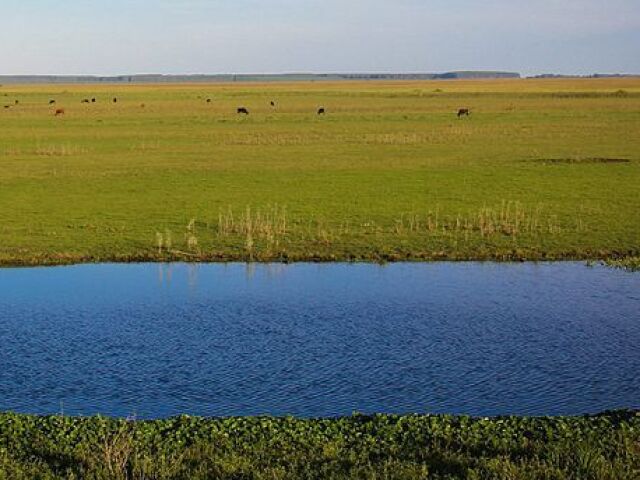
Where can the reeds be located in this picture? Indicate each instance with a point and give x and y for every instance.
(265, 232)
(510, 219)
(190, 235)
(269, 224)
(164, 241)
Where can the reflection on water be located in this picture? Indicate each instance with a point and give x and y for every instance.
(319, 340)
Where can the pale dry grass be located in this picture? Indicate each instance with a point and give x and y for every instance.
(60, 150)
(271, 228)
(511, 219)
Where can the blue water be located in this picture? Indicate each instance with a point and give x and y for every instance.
(152, 340)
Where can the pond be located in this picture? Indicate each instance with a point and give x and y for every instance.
(157, 340)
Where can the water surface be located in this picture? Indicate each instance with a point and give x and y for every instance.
(156, 340)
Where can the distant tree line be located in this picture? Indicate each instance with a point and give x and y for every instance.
(159, 78)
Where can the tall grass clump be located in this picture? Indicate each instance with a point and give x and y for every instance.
(268, 226)
(510, 219)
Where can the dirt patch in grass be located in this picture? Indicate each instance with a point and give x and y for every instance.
(580, 161)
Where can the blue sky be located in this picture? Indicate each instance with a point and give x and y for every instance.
(250, 36)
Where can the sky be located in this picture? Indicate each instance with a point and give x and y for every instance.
(111, 37)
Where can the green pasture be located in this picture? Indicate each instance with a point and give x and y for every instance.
(540, 170)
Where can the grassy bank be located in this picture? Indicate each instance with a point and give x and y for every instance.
(598, 447)
(542, 169)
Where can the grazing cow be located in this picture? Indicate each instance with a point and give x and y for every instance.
(93, 100)
(321, 111)
(463, 111)
(7, 106)
(85, 100)
(17, 102)
(51, 102)
(243, 110)
(59, 111)
(273, 104)
(208, 100)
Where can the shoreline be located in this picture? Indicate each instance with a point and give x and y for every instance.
(630, 259)
(626, 413)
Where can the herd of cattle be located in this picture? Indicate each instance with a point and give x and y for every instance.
(240, 110)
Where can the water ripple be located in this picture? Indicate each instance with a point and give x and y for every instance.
(319, 340)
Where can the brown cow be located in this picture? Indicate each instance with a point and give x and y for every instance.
(59, 111)
(463, 111)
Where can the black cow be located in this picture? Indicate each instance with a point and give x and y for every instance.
(115, 100)
(243, 110)
(273, 104)
(17, 102)
(93, 100)
(85, 100)
(321, 111)
(463, 111)
(51, 102)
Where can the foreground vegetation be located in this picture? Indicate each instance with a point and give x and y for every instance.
(542, 169)
(630, 264)
(598, 447)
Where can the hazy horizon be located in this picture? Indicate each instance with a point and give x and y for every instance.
(89, 37)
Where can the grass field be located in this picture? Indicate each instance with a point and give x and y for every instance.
(602, 447)
(542, 169)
